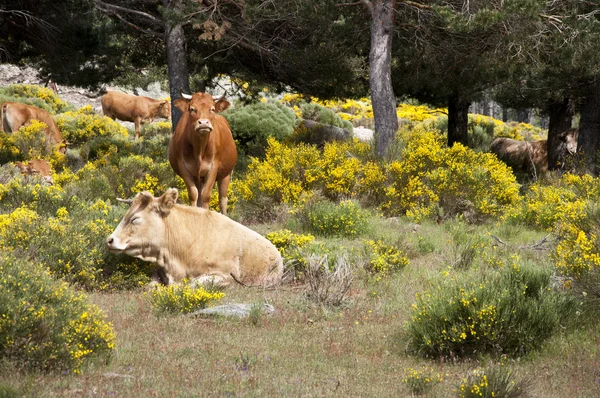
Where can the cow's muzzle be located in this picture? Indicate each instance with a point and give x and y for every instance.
(112, 245)
(204, 125)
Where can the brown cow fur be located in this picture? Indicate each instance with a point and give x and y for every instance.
(133, 108)
(15, 115)
(36, 167)
(202, 150)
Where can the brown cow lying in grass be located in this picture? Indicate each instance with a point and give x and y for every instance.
(133, 108)
(531, 157)
(36, 167)
(193, 243)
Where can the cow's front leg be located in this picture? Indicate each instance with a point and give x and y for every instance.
(205, 188)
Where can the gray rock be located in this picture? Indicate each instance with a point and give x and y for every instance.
(232, 310)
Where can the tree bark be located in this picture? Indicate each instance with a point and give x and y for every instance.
(561, 118)
(458, 120)
(588, 142)
(505, 115)
(380, 78)
(177, 67)
(523, 115)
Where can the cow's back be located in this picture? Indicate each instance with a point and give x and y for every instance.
(522, 156)
(213, 240)
(119, 105)
(15, 115)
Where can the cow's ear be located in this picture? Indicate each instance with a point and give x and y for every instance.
(167, 200)
(182, 104)
(221, 105)
(143, 198)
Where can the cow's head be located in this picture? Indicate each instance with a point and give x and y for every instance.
(36, 167)
(569, 138)
(202, 108)
(164, 110)
(141, 231)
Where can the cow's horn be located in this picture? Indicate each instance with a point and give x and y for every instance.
(128, 201)
(186, 96)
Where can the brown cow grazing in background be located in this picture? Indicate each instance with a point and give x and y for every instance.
(15, 115)
(191, 242)
(202, 149)
(36, 167)
(531, 157)
(133, 108)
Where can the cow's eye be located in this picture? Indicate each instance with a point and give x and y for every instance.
(136, 220)
(192, 110)
(212, 109)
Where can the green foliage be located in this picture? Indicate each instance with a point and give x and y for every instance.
(325, 218)
(251, 125)
(46, 325)
(182, 298)
(510, 311)
(29, 142)
(464, 246)
(495, 381)
(321, 114)
(41, 97)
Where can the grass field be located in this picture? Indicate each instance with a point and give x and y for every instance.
(305, 349)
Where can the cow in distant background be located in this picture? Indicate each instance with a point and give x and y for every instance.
(193, 243)
(15, 115)
(36, 167)
(202, 149)
(531, 157)
(136, 109)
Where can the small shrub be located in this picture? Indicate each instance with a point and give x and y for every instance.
(252, 125)
(41, 97)
(83, 125)
(328, 283)
(47, 326)
(506, 311)
(321, 114)
(421, 381)
(290, 246)
(346, 219)
(464, 246)
(29, 142)
(182, 298)
(158, 129)
(384, 259)
(257, 312)
(496, 382)
(418, 113)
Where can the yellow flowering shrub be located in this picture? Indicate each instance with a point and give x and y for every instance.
(83, 125)
(459, 180)
(418, 113)
(182, 298)
(384, 259)
(288, 243)
(330, 219)
(420, 381)
(508, 310)
(29, 142)
(45, 325)
(41, 97)
(495, 381)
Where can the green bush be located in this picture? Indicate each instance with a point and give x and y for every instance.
(326, 218)
(321, 114)
(46, 325)
(251, 125)
(69, 239)
(492, 382)
(384, 259)
(506, 311)
(30, 94)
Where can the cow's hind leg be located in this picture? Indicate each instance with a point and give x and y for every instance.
(210, 280)
(223, 186)
(138, 122)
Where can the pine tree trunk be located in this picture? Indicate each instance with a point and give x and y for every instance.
(523, 115)
(589, 129)
(505, 115)
(177, 67)
(380, 79)
(561, 117)
(458, 120)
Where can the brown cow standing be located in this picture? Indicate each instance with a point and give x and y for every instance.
(15, 115)
(531, 157)
(202, 149)
(133, 108)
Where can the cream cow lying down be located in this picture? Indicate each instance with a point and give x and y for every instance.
(191, 242)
